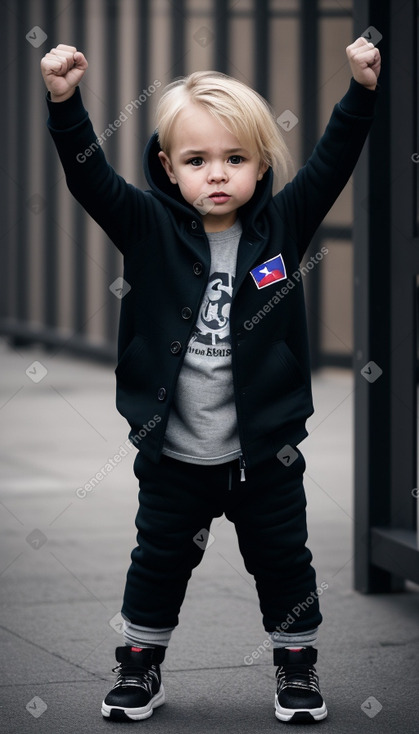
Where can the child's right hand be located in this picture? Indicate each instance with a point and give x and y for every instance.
(62, 69)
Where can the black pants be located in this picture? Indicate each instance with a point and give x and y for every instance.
(179, 500)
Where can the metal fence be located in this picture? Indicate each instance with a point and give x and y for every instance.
(57, 265)
(386, 318)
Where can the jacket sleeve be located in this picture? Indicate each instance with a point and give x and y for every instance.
(304, 202)
(113, 203)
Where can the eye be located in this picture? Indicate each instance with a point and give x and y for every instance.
(236, 159)
(195, 161)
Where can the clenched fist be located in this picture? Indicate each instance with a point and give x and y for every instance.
(62, 69)
(365, 62)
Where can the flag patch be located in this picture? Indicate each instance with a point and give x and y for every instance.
(269, 272)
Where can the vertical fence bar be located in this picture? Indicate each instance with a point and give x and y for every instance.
(393, 543)
(22, 273)
(178, 38)
(262, 51)
(50, 263)
(7, 183)
(372, 304)
(79, 298)
(309, 133)
(403, 272)
(113, 72)
(143, 59)
(222, 16)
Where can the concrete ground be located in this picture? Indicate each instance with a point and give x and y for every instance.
(64, 558)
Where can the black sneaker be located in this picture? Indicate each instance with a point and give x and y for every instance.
(298, 698)
(138, 688)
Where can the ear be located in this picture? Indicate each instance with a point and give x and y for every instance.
(263, 167)
(165, 161)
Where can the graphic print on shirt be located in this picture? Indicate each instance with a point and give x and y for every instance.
(212, 328)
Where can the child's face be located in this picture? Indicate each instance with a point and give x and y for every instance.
(206, 159)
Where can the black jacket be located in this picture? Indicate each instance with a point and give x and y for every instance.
(167, 260)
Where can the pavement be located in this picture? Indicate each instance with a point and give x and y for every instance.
(64, 558)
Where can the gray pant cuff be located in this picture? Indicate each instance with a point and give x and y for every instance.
(137, 635)
(299, 639)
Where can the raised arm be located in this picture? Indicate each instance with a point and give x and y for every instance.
(305, 201)
(106, 196)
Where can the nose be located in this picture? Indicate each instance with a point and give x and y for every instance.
(217, 172)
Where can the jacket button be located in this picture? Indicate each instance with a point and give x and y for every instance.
(194, 224)
(161, 395)
(175, 347)
(186, 313)
(197, 268)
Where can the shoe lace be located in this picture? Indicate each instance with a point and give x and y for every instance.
(134, 676)
(298, 676)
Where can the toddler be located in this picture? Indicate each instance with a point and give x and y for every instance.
(213, 371)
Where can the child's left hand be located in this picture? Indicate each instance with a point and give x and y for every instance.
(365, 62)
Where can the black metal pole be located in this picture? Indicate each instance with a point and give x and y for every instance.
(113, 264)
(309, 83)
(177, 67)
(262, 47)
(221, 36)
(372, 305)
(79, 280)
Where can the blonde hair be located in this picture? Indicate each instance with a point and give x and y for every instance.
(241, 110)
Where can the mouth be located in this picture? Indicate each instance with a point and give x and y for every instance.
(219, 197)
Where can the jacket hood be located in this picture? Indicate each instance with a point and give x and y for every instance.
(170, 195)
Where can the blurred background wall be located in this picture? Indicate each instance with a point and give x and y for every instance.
(57, 265)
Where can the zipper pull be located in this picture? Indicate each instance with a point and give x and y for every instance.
(242, 468)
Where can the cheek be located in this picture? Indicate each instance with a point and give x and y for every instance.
(191, 183)
(248, 187)
(247, 183)
(190, 187)
(187, 185)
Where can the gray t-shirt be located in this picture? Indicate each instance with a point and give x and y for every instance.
(202, 426)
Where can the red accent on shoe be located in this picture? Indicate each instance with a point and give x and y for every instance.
(136, 649)
(294, 649)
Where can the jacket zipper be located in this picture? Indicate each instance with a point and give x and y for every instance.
(242, 465)
(242, 462)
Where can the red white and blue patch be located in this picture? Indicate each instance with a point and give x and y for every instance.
(269, 272)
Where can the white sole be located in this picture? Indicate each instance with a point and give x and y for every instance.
(135, 714)
(288, 714)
